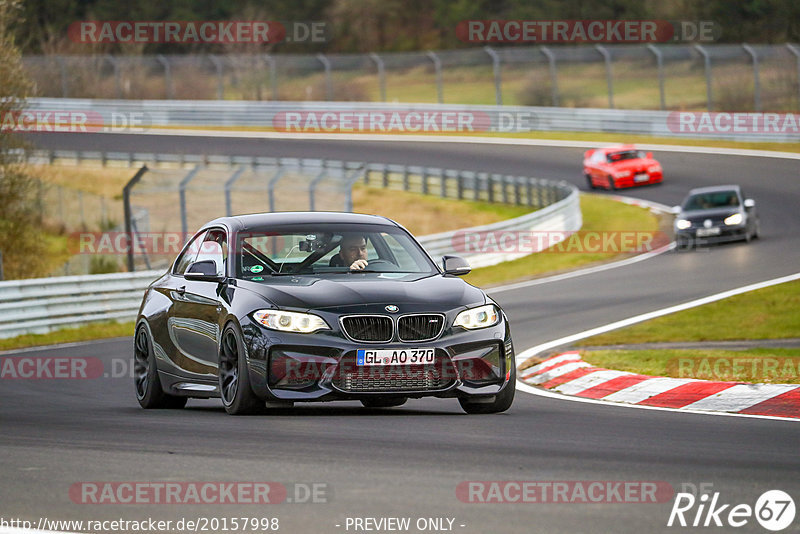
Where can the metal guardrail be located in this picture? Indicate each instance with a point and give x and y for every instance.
(45, 304)
(116, 116)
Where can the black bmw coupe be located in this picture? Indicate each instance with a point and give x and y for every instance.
(271, 309)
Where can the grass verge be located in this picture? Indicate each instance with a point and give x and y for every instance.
(768, 313)
(757, 365)
(69, 335)
(600, 214)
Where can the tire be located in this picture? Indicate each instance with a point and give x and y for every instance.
(501, 403)
(589, 181)
(234, 376)
(147, 385)
(757, 229)
(384, 402)
(611, 185)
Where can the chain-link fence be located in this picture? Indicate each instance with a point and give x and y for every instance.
(721, 77)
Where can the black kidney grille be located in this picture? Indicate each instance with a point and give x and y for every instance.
(369, 328)
(419, 327)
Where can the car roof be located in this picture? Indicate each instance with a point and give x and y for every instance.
(715, 189)
(617, 148)
(255, 220)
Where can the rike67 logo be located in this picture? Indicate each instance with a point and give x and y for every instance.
(774, 510)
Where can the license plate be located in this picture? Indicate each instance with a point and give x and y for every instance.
(643, 177)
(705, 232)
(395, 356)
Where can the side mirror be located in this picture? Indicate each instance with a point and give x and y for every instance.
(675, 210)
(588, 154)
(205, 270)
(455, 265)
(649, 155)
(749, 203)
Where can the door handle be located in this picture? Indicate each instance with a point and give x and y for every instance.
(182, 290)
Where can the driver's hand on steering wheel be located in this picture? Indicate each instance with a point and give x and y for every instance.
(358, 265)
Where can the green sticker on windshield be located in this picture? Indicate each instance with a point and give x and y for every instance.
(258, 278)
(256, 269)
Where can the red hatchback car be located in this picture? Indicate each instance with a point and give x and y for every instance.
(620, 166)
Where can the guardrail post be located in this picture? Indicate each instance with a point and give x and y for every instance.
(385, 175)
(498, 94)
(312, 188)
(660, 65)
(381, 74)
(220, 82)
(443, 183)
(517, 191)
(460, 185)
(756, 84)
(529, 191)
(609, 75)
(405, 178)
(480, 178)
(128, 214)
(490, 187)
(328, 82)
(228, 186)
(437, 67)
(182, 192)
(167, 75)
(707, 62)
(551, 60)
(425, 180)
(796, 54)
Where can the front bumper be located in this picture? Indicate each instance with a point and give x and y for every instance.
(726, 234)
(630, 181)
(322, 366)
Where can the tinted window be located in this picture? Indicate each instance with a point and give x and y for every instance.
(707, 201)
(214, 248)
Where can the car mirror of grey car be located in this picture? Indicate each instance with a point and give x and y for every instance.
(455, 265)
(675, 210)
(749, 203)
(205, 270)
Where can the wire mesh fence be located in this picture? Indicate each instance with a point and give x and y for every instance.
(721, 77)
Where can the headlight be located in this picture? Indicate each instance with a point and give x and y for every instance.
(736, 218)
(683, 224)
(654, 168)
(479, 317)
(622, 174)
(286, 321)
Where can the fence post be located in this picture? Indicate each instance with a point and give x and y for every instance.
(756, 84)
(443, 183)
(660, 63)
(228, 186)
(437, 67)
(272, 183)
(498, 95)
(349, 185)
(167, 75)
(273, 75)
(609, 75)
(128, 214)
(381, 74)
(182, 192)
(796, 54)
(220, 83)
(312, 188)
(551, 60)
(328, 82)
(707, 61)
(424, 184)
(117, 81)
(62, 67)
(405, 178)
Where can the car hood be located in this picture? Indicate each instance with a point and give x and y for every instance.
(633, 165)
(436, 292)
(713, 214)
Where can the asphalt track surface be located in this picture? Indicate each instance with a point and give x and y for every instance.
(407, 462)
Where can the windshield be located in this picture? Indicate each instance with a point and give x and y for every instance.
(328, 250)
(707, 201)
(624, 155)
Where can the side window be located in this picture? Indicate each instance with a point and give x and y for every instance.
(188, 255)
(215, 248)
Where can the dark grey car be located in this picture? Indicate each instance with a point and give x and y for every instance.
(716, 214)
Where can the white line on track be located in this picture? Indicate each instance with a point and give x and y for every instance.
(524, 355)
(460, 139)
